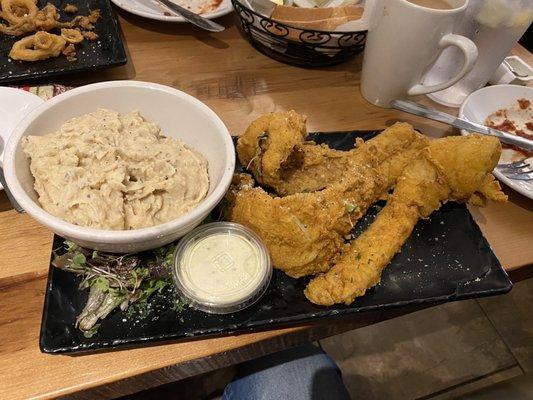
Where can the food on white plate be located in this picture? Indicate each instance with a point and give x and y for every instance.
(115, 171)
(516, 119)
(200, 6)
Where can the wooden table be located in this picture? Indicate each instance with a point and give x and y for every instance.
(239, 83)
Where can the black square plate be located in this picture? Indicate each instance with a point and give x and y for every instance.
(445, 259)
(106, 51)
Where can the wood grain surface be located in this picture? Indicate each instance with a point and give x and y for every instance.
(239, 83)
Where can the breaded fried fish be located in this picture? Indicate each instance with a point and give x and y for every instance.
(449, 169)
(305, 231)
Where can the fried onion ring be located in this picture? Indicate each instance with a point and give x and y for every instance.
(73, 36)
(47, 18)
(22, 17)
(86, 22)
(36, 47)
(26, 26)
(18, 11)
(90, 35)
(70, 52)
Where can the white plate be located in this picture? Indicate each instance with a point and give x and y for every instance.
(483, 102)
(154, 10)
(15, 104)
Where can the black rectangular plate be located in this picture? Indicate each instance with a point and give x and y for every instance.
(445, 259)
(105, 52)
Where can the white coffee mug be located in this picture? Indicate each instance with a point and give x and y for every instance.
(404, 40)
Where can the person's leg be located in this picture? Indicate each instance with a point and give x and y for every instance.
(301, 373)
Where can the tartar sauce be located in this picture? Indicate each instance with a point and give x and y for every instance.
(221, 267)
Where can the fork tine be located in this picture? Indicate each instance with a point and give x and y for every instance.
(521, 177)
(515, 171)
(515, 165)
(519, 162)
(527, 171)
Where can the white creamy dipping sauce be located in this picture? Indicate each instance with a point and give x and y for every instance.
(221, 267)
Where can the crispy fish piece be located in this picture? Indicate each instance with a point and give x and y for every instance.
(274, 149)
(305, 231)
(313, 167)
(449, 169)
(268, 142)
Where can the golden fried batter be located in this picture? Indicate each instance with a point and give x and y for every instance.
(89, 35)
(449, 169)
(312, 167)
(274, 149)
(17, 11)
(40, 46)
(85, 22)
(20, 29)
(304, 231)
(70, 9)
(268, 142)
(72, 36)
(70, 52)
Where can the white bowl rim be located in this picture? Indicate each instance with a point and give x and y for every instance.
(487, 89)
(114, 236)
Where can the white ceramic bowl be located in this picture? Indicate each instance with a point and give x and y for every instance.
(483, 102)
(179, 115)
(15, 104)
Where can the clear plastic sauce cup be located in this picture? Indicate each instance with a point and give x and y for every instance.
(221, 267)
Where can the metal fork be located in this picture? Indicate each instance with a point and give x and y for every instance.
(517, 170)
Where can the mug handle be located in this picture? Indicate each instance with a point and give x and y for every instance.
(469, 50)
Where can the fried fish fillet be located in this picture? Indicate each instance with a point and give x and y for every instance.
(268, 143)
(449, 169)
(313, 167)
(305, 231)
(274, 150)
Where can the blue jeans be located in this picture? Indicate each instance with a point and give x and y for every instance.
(300, 373)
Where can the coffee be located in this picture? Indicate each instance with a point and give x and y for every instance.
(435, 4)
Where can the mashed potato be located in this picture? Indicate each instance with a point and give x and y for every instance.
(112, 171)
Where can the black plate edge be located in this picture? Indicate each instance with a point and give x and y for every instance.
(56, 73)
(282, 322)
(46, 304)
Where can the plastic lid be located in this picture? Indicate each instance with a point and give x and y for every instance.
(221, 267)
